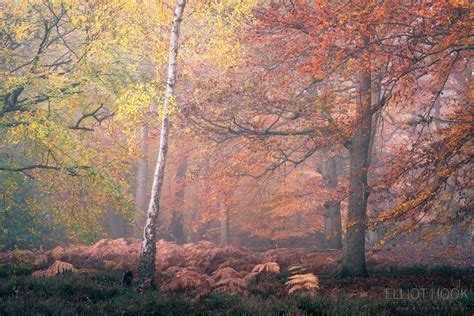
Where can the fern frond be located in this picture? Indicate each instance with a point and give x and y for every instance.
(271, 267)
(58, 267)
(306, 283)
(296, 269)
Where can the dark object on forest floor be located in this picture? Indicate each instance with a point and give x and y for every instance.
(127, 278)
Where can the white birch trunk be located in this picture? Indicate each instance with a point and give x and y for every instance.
(146, 268)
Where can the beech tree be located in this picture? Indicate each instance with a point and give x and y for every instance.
(63, 72)
(342, 49)
(177, 216)
(332, 225)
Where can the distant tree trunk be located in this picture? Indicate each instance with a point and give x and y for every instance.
(146, 267)
(117, 225)
(141, 185)
(9, 243)
(225, 234)
(376, 234)
(332, 223)
(353, 253)
(177, 219)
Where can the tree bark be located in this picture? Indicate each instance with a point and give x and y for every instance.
(225, 234)
(353, 253)
(375, 234)
(117, 226)
(142, 183)
(332, 222)
(146, 267)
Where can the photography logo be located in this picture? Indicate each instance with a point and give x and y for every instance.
(427, 293)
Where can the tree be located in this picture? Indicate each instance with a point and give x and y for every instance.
(332, 226)
(148, 251)
(62, 70)
(340, 47)
(353, 252)
(225, 223)
(177, 217)
(142, 182)
(360, 38)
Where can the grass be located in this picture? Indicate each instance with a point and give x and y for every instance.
(101, 294)
(423, 270)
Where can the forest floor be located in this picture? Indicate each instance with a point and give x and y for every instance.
(203, 278)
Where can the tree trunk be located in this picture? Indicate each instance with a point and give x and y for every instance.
(146, 267)
(332, 223)
(142, 183)
(375, 234)
(117, 226)
(225, 234)
(177, 219)
(353, 253)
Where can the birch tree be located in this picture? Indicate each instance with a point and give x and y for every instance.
(146, 266)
